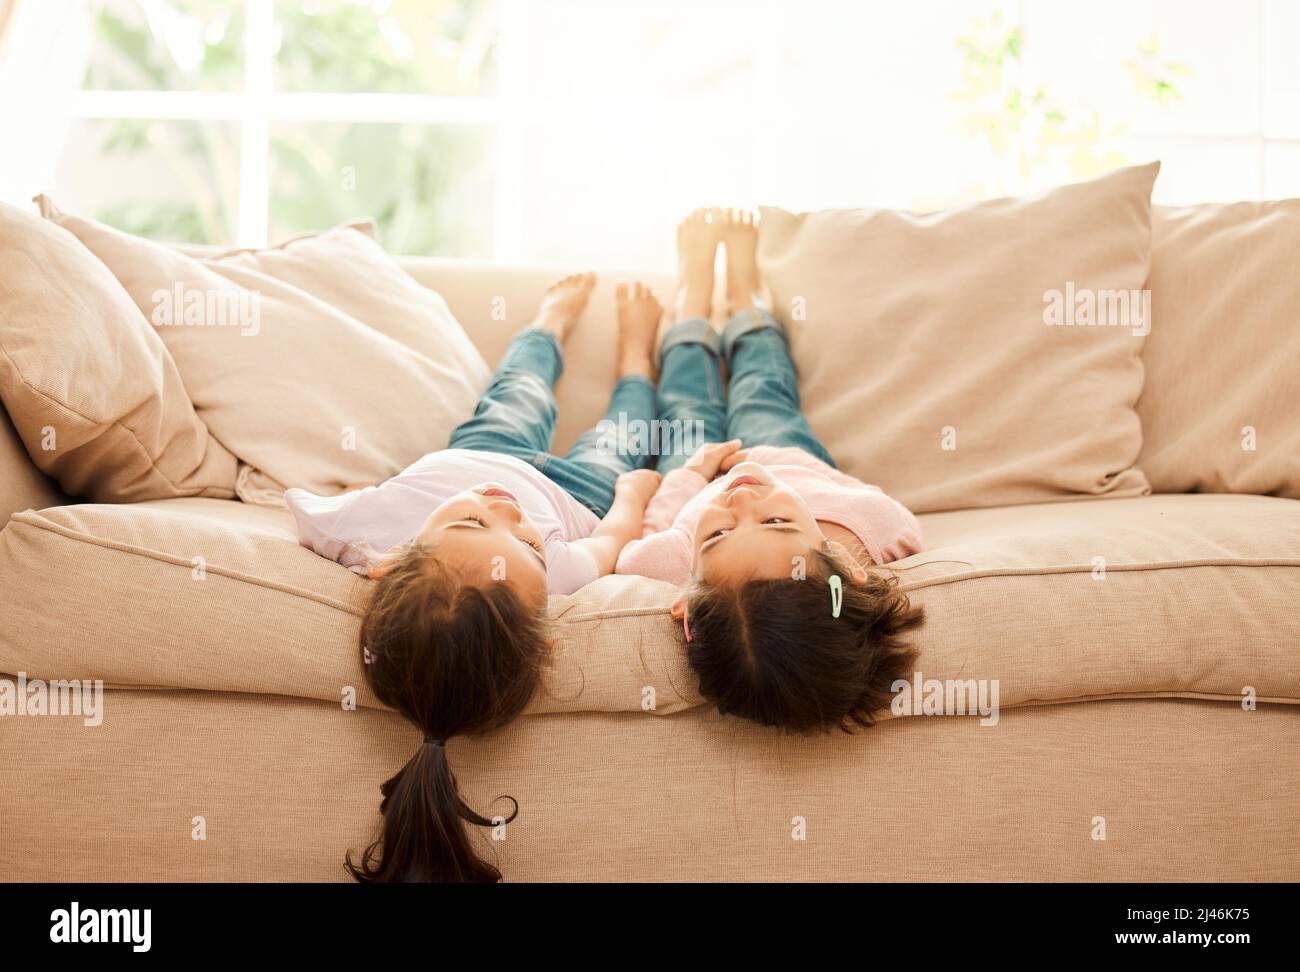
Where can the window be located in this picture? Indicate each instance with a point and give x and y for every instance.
(219, 122)
(578, 131)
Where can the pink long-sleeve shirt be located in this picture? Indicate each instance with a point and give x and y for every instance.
(887, 529)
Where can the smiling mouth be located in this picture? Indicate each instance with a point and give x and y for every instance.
(742, 481)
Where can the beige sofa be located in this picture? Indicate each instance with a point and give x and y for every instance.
(1122, 749)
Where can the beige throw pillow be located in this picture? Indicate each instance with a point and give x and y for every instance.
(22, 485)
(1221, 405)
(320, 363)
(92, 392)
(925, 362)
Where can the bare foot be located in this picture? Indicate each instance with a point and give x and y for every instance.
(740, 237)
(639, 312)
(564, 303)
(697, 247)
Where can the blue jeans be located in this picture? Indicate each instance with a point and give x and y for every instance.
(516, 417)
(762, 402)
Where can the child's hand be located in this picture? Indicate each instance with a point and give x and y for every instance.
(715, 457)
(622, 524)
(639, 484)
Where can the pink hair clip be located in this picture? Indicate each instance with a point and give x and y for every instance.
(686, 626)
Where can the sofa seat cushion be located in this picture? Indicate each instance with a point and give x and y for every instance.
(1187, 595)
(1192, 595)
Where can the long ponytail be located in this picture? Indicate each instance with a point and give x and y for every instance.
(424, 837)
(454, 660)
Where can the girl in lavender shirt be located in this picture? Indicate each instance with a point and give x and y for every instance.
(464, 546)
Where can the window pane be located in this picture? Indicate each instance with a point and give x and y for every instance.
(428, 186)
(611, 195)
(1150, 66)
(443, 47)
(1195, 170)
(1282, 69)
(169, 45)
(171, 181)
(1282, 174)
(670, 49)
(890, 105)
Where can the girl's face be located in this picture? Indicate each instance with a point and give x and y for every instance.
(753, 530)
(484, 535)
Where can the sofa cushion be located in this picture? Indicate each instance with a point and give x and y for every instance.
(924, 362)
(22, 485)
(1189, 595)
(282, 352)
(93, 393)
(1221, 405)
(496, 301)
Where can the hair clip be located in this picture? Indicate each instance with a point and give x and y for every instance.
(686, 626)
(367, 655)
(837, 594)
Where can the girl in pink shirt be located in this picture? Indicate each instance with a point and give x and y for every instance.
(782, 620)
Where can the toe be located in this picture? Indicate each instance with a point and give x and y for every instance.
(620, 293)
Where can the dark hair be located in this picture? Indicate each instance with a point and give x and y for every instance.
(454, 659)
(771, 652)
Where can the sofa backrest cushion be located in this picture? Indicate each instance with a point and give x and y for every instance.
(924, 362)
(495, 300)
(319, 363)
(1221, 405)
(22, 485)
(93, 393)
